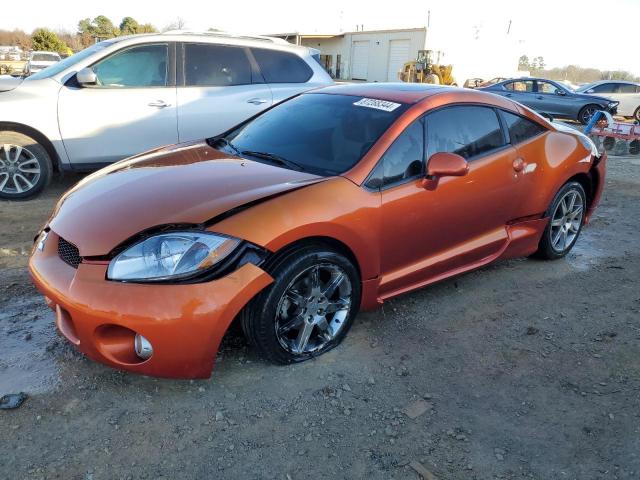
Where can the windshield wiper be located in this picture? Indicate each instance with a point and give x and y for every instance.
(272, 157)
(227, 143)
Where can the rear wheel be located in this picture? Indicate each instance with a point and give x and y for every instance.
(566, 217)
(636, 115)
(25, 166)
(586, 113)
(308, 309)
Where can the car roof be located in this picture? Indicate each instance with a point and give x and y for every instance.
(392, 92)
(529, 79)
(602, 82)
(225, 38)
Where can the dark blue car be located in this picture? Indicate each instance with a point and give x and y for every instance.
(552, 98)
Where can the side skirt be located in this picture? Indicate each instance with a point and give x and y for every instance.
(523, 240)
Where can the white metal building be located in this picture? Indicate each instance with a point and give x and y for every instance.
(373, 56)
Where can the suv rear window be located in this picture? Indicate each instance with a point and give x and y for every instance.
(215, 65)
(45, 57)
(281, 67)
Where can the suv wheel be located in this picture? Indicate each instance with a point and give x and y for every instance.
(25, 166)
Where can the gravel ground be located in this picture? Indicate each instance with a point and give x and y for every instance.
(524, 369)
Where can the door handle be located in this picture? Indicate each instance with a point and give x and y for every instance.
(257, 101)
(519, 164)
(539, 97)
(509, 95)
(159, 104)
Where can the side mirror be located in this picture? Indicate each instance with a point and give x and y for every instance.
(560, 92)
(591, 90)
(86, 76)
(445, 164)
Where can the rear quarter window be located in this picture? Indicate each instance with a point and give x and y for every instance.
(520, 128)
(281, 67)
(469, 131)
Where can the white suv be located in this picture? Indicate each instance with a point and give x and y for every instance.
(130, 94)
(627, 93)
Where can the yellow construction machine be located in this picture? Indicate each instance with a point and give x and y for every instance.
(425, 70)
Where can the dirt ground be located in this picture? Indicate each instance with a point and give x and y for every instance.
(524, 369)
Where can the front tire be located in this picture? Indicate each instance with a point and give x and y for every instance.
(308, 309)
(586, 113)
(25, 166)
(636, 115)
(566, 217)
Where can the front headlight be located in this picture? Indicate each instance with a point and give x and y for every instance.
(170, 256)
(613, 104)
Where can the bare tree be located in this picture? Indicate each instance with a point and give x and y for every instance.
(177, 24)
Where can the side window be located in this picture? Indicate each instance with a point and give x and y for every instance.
(626, 88)
(143, 66)
(604, 88)
(466, 130)
(404, 158)
(520, 86)
(281, 67)
(546, 87)
(520, 129)
(215, 65)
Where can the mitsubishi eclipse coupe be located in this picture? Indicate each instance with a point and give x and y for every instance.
(328, 203)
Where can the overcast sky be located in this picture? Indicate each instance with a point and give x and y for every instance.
(602, 34)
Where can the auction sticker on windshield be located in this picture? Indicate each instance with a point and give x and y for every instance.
(377, 104)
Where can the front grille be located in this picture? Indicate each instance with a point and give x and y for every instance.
(69, 253)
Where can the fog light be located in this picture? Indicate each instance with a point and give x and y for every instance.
(143, 347)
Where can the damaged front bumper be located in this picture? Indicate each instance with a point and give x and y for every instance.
(184, 323)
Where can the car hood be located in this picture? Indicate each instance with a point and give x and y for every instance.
(592, 97)
(183, 184)
(7, 82)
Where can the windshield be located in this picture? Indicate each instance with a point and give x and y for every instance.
(320, 133)
(69, 61)
(45, 57)
(584, 88)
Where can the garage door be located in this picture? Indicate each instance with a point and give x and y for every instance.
(360, 60)
(398, 56)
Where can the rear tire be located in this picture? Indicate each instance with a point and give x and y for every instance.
(25, 166)
(566, 217)
(299, 304)
(587, 112)
(636, 115)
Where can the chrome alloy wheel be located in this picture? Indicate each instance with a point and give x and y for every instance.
(567, 220)
(19, 169)
(313, 309)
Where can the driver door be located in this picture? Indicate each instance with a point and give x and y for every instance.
(131, 108)
(436, 228)
(554, 100)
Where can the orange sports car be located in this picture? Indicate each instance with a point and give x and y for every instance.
(328, 203)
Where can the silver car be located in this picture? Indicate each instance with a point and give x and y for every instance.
(627, 93)
(130, 94)
(39, 61)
